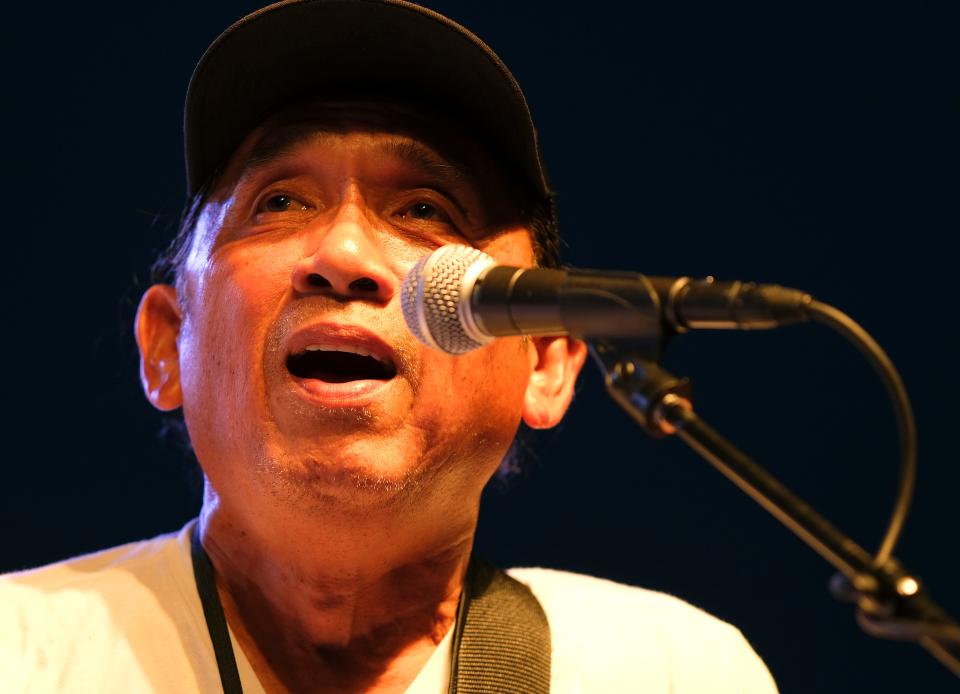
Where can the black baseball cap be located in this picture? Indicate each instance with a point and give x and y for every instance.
(299, 50)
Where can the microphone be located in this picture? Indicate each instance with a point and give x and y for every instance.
(457, 299)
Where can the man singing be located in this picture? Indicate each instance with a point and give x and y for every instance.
(330, 145)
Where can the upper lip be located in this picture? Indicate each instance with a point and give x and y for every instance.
(341, 337)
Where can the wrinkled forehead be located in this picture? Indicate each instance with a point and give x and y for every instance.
(436, 138)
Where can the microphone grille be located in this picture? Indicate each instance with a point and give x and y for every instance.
(433, 293)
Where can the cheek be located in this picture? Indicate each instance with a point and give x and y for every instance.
(480, 398)
(512, 246)
(221, 345)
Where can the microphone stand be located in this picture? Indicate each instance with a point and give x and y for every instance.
(891, 602)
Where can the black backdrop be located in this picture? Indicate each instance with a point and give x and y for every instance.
(811, 146)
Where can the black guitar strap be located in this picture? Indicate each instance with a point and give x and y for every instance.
(501, 642)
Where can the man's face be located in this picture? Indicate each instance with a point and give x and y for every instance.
(297, 370)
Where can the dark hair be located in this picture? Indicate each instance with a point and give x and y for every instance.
(168, 265)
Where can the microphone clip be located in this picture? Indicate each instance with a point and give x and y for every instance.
(638, 384)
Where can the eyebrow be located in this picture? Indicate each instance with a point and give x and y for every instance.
(284, 140)
(278, 143)
(425, 159)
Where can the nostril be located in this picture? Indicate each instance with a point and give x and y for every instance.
(364, 284)
(361, 286)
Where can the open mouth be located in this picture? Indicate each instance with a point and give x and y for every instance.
(339, 365)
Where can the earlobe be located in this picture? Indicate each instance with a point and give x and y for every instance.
(550, 388)
(157, 328)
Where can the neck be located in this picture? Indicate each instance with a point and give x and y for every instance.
(356, 601)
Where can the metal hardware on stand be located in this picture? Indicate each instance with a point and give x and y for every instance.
(891, 602)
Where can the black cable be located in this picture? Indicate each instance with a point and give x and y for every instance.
(890, 602)
(846, 326)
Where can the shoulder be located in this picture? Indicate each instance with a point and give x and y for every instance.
(129, 568)
(79, 620)
(630, 638)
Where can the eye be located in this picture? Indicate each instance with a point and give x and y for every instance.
(425, 211)
(280, 202)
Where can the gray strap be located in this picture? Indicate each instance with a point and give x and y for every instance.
(502, 643)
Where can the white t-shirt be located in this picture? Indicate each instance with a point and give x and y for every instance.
(129, 620)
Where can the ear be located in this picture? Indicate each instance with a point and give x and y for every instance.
(157, 328)
(550, 388)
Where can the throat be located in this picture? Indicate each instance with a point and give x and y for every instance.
(354, 601)
(296, 656)
(355, 635)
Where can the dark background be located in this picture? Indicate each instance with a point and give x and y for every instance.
(813, 146)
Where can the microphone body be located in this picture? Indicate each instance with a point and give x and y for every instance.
(458, 299)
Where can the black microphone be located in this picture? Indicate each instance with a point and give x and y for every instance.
(457, 299)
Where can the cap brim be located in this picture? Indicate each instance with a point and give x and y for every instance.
(307, 49)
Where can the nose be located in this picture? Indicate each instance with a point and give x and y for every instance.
(343, 259)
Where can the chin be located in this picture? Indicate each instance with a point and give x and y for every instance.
(344, 479)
